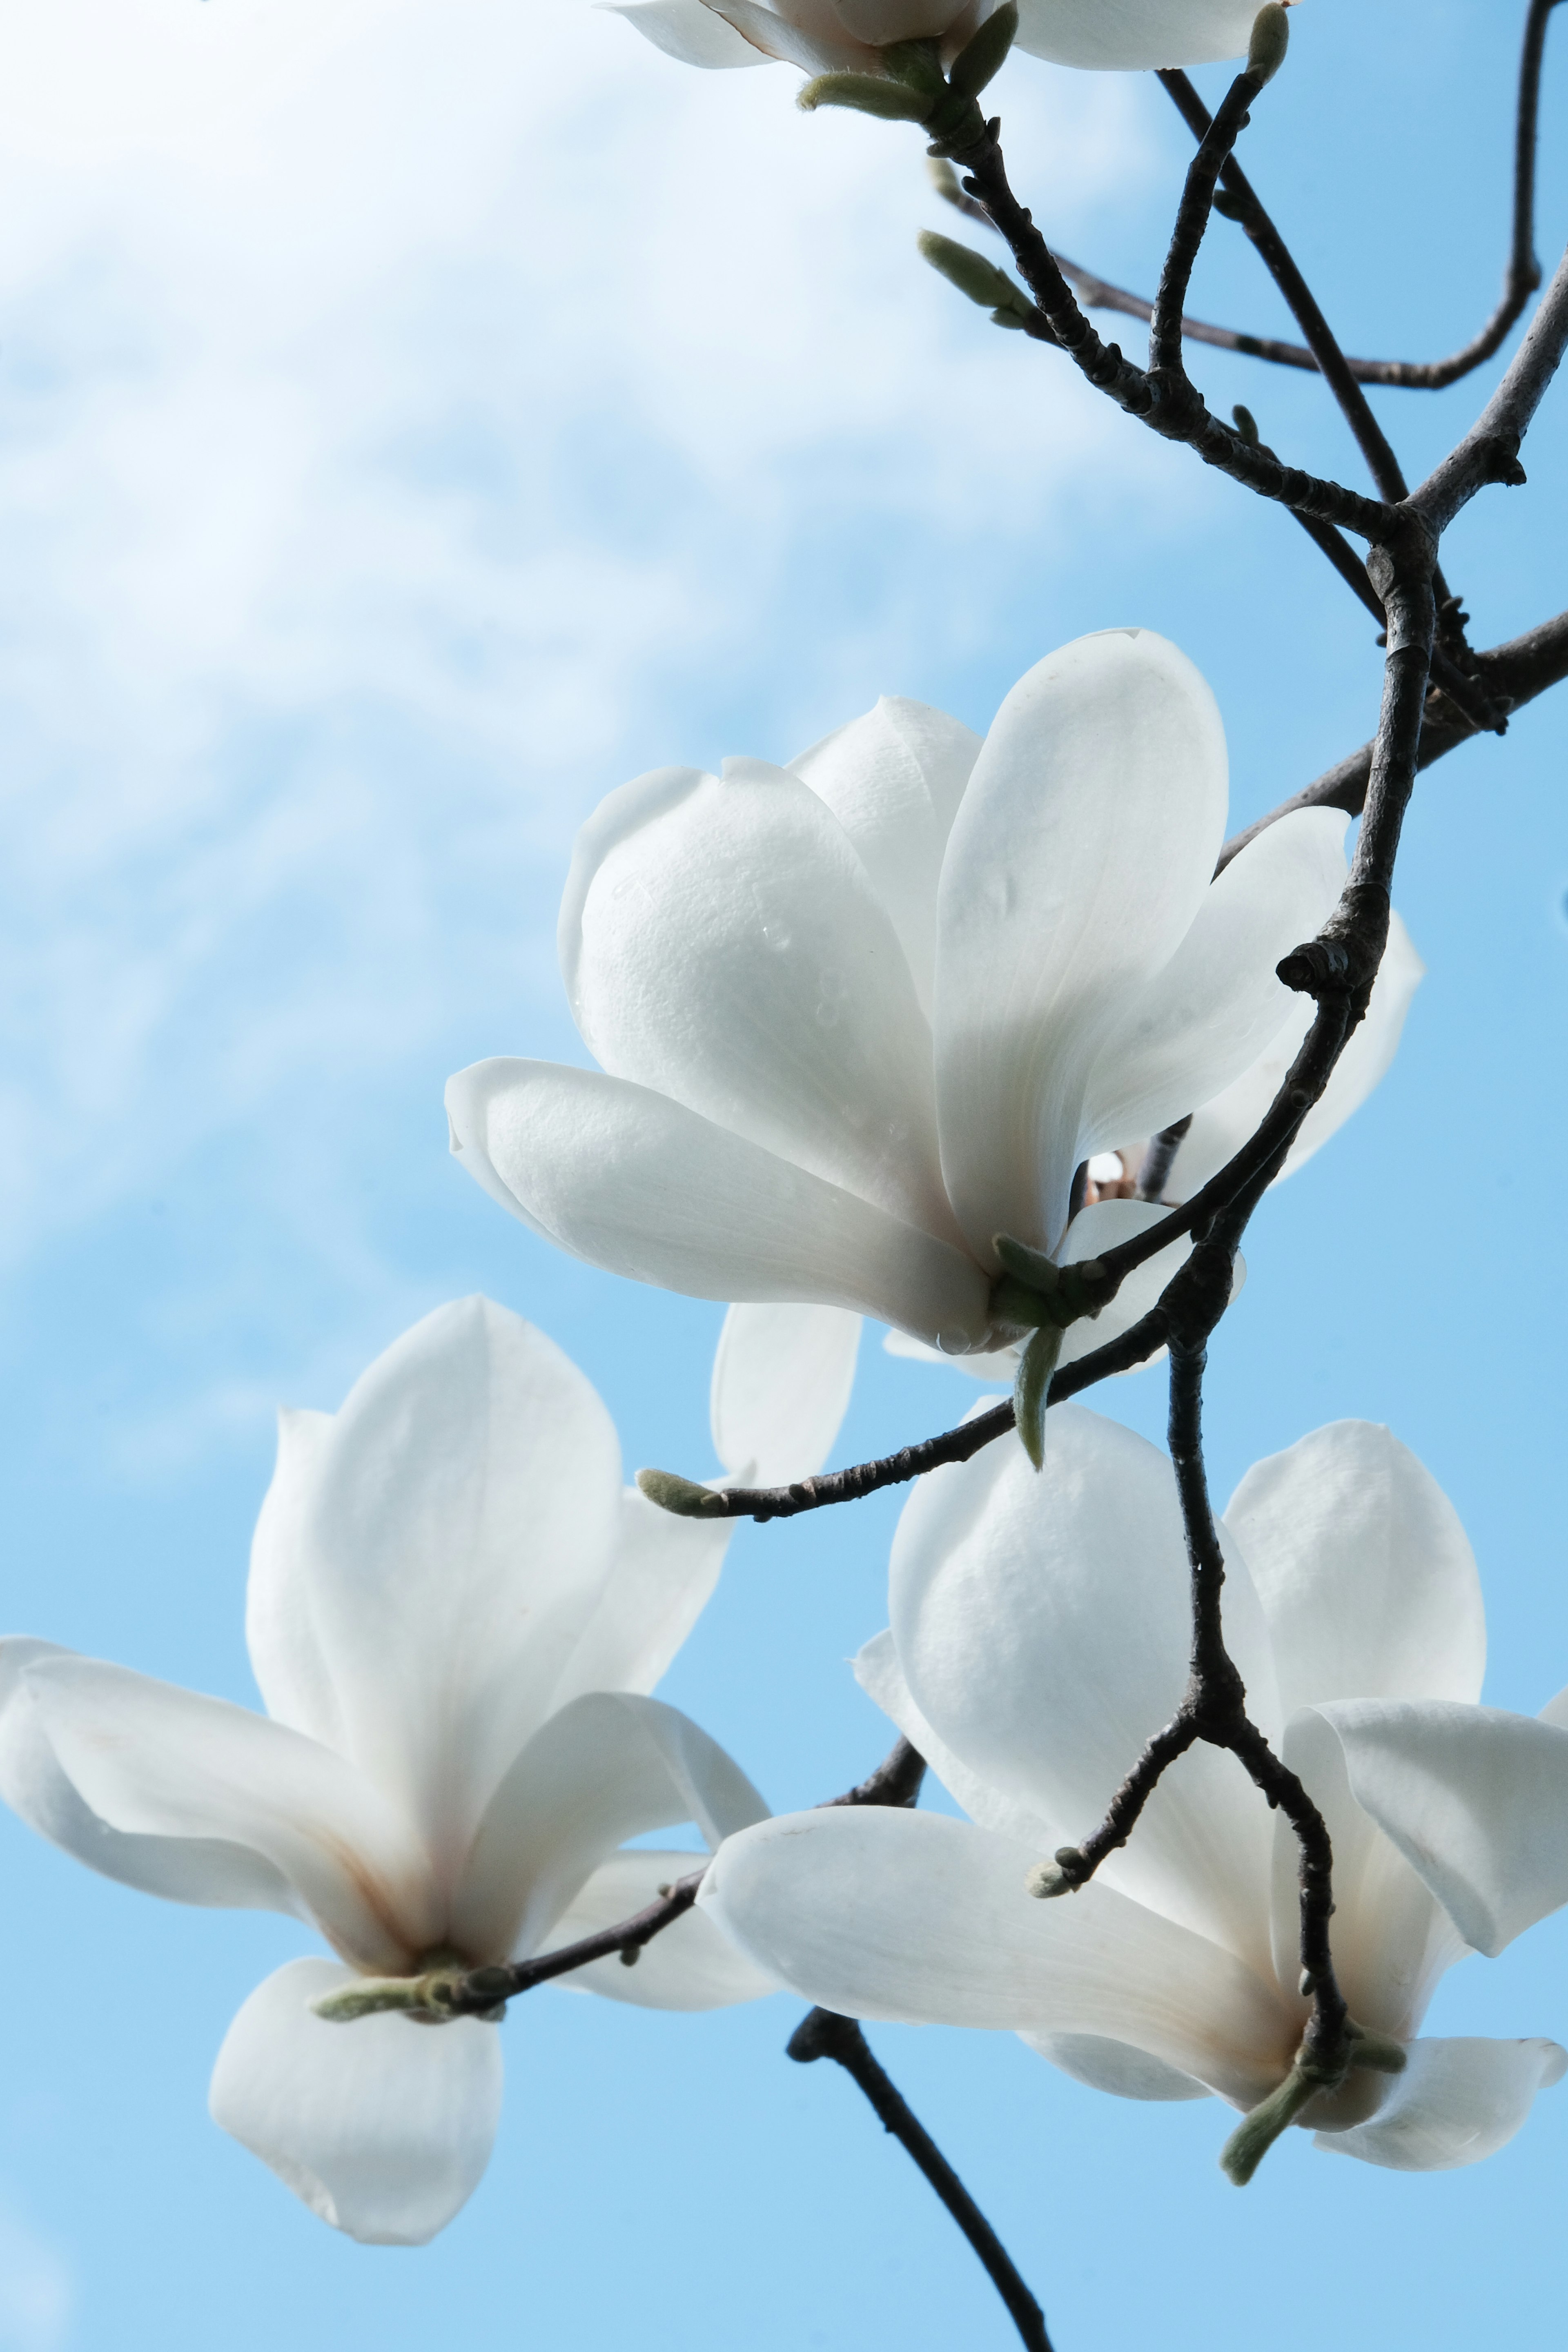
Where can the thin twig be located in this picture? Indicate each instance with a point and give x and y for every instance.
(823, 2034)
(1159, 1159)
(1169, 406)
(1520, 277)
(1513, 674)
(1490, 450)
(1244, 209)
(480, 1992)
(1193, 220)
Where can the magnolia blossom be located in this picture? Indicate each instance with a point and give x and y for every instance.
(837, 35)
(1218, 1132)
(1039, 1636)
(859, 1016)
(455, 1612)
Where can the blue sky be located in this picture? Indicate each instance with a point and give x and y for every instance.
(416, 416)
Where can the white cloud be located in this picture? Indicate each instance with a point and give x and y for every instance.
(37, 2296)
(402, 402)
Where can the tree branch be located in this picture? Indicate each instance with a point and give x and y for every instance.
(1490, 450)
(1173, 408)
(484, 1992)
(823, 2034)
(1520, 277)
(1513, 674)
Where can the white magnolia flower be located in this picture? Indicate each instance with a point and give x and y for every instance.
(1039, 1636)
(857, 1017)
(1219, 1129)
(455, 1614)
(837, 35)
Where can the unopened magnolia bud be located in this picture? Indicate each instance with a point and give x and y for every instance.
(1246, 425)
(1027, 1264)
(972, 274)
(944, 180)
(1255, 2134)
(867, 94)
(1062, 1876)
(983, 57)
(1032, 1389)
(1378, 2052)
(491, 1983)
(1270, 39)
(630, 1954)
(684, 1496)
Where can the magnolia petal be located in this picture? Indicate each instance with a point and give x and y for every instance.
(723, 944)
(1131, 34)
(1366, 1577)
(691, 1965)
(1080, 855)
(880, 1676)
(1115, 2066)
(1099, 1227)
(1475, 1798)
(382, 2128)
(809, 35)
(997, 1366)
(610, 1766)
(880, 22)
(286, 1656)
(1220, 1129)
(155, 1761)
(1456, 2101)
(635, 1183)
(894, 779)
(1555, 1711)
(878, 1913)
(662, 1579)
(1202, 1020)
(463, 1514)
(782, 1379)
(211, 1871)
(688, 30)
(1392, 1938)
(1042, 1622)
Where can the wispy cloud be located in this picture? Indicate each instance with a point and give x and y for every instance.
(36, 2295)
(413, 417)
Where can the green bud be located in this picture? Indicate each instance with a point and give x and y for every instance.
(1377, 2052)
(1045, 1879)
(1246, 425)
(944, 180)
(372, 1995)
(1027, 1265)
(1031, 1388)
(1255, 2134)
(1006, 319)
(1270, 39)
(974, 275)
(983, 57)
(684, 1496)
(916, 64)
(868, 94)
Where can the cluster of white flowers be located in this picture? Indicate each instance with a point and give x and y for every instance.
(860, 1020)
(857, 1016)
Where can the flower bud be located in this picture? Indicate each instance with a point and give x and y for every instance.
(684, 1496)
(867, 94)
(972, 274)
(983, 57)
(1270, 39)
